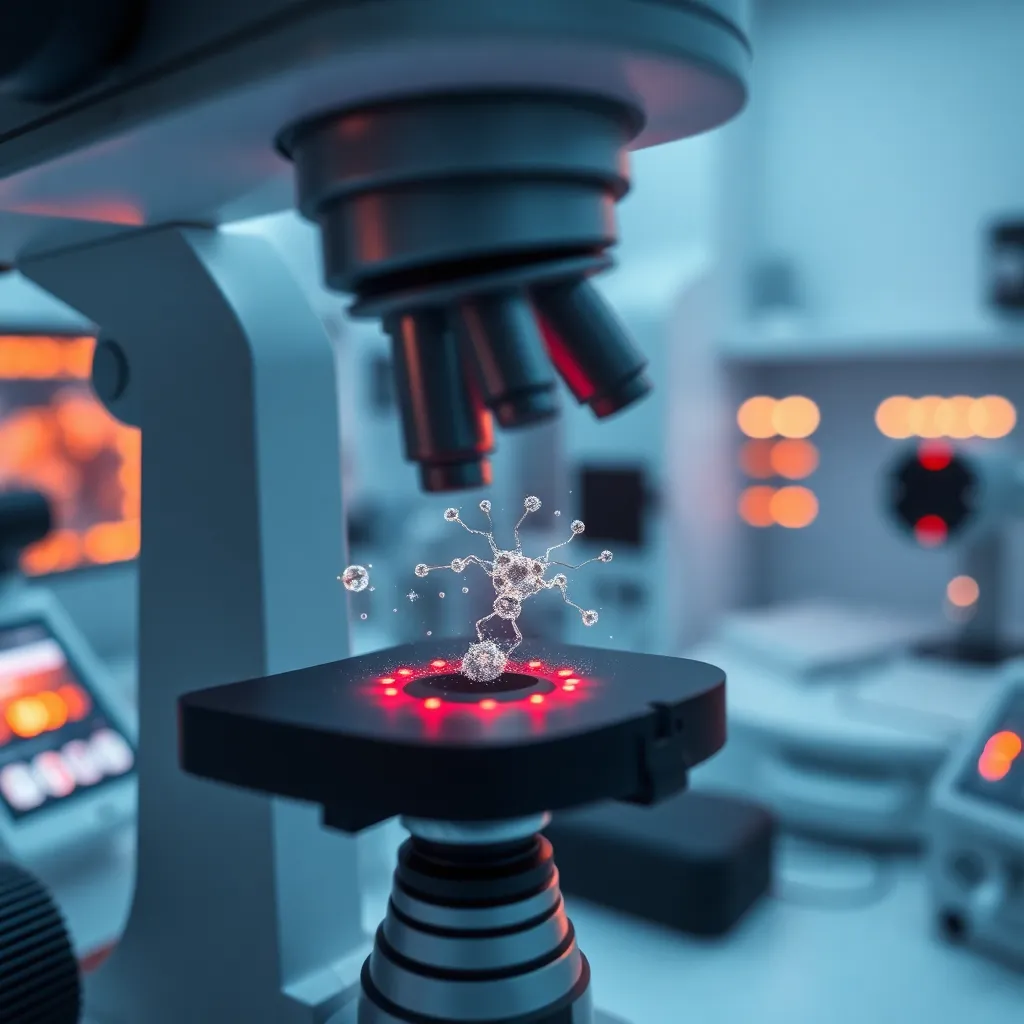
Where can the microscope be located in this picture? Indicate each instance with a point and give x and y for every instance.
(462, 160)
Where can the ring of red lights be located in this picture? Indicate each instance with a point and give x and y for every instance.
(411, 683)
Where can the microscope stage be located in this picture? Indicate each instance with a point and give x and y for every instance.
(403, 732)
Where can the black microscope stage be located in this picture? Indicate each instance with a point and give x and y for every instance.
(401, 731)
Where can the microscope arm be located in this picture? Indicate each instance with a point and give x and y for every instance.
(242, 527)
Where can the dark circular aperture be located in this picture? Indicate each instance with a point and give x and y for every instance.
(937, 487)
(457, 688)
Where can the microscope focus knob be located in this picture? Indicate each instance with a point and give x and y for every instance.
(39, 978)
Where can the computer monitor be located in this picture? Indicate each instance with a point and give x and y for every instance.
(56, 437)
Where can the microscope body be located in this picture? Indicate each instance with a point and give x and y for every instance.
(114, 180)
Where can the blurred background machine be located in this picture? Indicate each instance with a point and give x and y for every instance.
(976, 855)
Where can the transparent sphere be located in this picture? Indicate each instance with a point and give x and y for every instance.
(458, 564)
(421, 570)
(355, 578)
(507, 607)
(560, 580)
(451, 514)
(605, 556)
(589, 618)
(577, 526)
(483, 662)
(532, 503)
(485, 506)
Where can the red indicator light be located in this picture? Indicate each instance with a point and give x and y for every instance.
(488, 705)
(405, 671)
(935, 457)
(998, 756)
(537, 699)
(391, 692)
(931, 531)
(565, 672)
(387, 681)
(432, 703)
(438, 663)
(535, 664)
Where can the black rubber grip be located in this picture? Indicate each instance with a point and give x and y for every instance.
(39, 978)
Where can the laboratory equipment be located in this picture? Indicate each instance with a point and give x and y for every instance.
(976, 830)
(476, 929)
(243, 907)
(698, 863)
(67, 760)
(941, 495)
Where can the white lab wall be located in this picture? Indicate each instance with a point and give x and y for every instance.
(889, 136)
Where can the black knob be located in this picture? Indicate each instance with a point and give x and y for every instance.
(39, 978)
(52, 49)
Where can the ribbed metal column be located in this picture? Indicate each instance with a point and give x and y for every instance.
(476, 931)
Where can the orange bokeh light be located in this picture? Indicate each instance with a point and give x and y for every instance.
(992, 417)
(892, 417)
(756, 459)
(998, 756)
(488, 705)
(432, 703)
(962, 591)
(27, 717)
(34, 713)
(755, 417)
(794, 507)
(438, 663)
(537, 699)
(755, 506)
(793, 459)
(796, 417)
(959, 417)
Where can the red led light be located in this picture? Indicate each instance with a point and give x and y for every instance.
(394, 689)
(935, 457)
(930, 531)
(998, 756)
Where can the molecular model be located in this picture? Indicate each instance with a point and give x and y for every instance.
(516, 577)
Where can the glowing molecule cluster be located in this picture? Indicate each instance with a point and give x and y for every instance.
(516, 577)
(355, 579)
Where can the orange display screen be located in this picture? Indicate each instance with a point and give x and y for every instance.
(57, 438)
(56, 739)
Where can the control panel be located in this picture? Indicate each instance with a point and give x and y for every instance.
(67, 758)
(976, 830)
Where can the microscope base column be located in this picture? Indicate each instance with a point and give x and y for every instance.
(245, 909)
